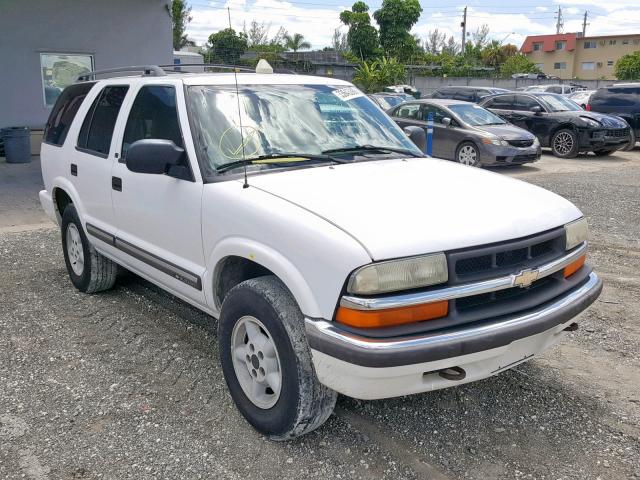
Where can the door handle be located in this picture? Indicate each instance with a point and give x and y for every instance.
(116, 184)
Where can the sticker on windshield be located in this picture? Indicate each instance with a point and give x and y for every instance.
(347, 93)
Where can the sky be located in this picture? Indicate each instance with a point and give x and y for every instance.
(509, 22)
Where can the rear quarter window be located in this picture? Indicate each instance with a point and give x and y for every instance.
(616, 97)
(64, 111)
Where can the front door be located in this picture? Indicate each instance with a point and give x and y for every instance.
(159, 216)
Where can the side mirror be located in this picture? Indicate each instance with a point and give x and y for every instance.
(418, 136)
(537, 109)
(446, 121)
(157, 157)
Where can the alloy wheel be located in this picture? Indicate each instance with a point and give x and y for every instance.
(256, 362)
(75, 252)
(563, 143)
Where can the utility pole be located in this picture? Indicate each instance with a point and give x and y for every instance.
(584, 23)
(464, 29)
(560, 21)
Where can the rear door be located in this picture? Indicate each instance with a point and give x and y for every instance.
(538, 124)
(94, 156)
(445, 138)
(159, 216)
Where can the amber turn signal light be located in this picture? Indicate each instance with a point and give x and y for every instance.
(392, 316)
(574, 266)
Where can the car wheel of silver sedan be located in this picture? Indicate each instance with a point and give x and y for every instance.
(468, 154)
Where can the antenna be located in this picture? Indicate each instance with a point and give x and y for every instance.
(235, 76)
(560, 22)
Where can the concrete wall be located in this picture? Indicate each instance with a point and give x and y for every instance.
(115, 32)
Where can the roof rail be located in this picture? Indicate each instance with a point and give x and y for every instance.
(147, 70)
(172, 67)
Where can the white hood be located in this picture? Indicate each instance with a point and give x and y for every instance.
(398, 208)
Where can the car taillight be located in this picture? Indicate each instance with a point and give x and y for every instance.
(588, 107)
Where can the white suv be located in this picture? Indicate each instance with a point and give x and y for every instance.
(336, 258)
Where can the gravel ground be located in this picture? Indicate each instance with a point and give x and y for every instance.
(126, 384)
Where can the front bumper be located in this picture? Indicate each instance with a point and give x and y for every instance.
(495, 155)
(370, 368)
(603, 139)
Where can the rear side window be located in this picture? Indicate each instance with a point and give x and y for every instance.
(444, 93)
(503, 102)
(97, 128)
(466, 95)
(153, 115)
(616, 97)
(64, 111)
(409, 111)
(555, 89)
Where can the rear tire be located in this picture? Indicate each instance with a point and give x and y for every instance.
(468, 154)
(267, 363)
(564, 143)
(89, 271)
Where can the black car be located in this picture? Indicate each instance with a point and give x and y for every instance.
(560, 123)
(466, 94)
(622, 100)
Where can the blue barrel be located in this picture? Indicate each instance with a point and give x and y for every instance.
(17, 144)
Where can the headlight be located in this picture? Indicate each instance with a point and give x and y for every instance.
(576, 232)
(494, 141)
(536, 141)
(591, 122)
(397, 275)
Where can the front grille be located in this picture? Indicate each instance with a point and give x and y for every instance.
(465, 304)
(520, 143)
(618, 132)
(524, 158)
(504, 258)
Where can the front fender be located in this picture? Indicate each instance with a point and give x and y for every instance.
(267, 257)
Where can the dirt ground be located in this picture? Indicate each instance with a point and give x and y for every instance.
(127, 384)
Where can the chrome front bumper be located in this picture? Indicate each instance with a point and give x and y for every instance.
(328, 338)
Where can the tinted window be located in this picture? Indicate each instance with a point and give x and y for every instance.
(98, 125)
(616, 97)
(467, 95)
(554, 89)
(153, 115)
(502, 102)
(524, 103)
(444, 93)
(64, 112)
(411, 111)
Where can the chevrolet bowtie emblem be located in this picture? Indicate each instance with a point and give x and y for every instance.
(525, 278)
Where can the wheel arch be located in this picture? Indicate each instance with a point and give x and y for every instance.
(62, 194)
(237, 259)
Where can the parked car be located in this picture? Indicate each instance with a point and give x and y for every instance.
(467, 94)
(622, 100)
(581, 97)
(469, 134)
(560, 123)
(388, 100)
(561, 89)
(408, 89)
(336, 258)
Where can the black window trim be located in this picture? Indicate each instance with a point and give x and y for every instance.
(92, 111)
(122, 159)
(60, 145)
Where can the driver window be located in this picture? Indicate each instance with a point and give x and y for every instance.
(410, 111)
(438, 114)
(524, 103)
(153, 115)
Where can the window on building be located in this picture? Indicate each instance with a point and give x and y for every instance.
(612, 42)
(588, 66)
(609, 63)
(537, 47)
(560, 66)
(560, 44)
(636, 41)
(59, 71)
(153, 115)
(590, 44)
(97, 128)
(625, 41)
(64, 112)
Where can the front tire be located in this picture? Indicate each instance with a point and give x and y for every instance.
(468, 154)
(88, 270)
(267, 363)
(564, 143)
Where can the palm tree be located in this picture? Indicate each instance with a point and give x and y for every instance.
(296, 42)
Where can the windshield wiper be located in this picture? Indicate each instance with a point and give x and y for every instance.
(278, 158)
(368, 148)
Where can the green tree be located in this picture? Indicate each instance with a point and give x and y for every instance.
(180, 15)
(226, 46)
(362, 37)
(493, 55)
(518, 64)
(395, 18)
(628, 66)
(296, 42)
(373, 76)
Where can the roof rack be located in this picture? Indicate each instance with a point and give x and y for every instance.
(147, 70)
(173, 67)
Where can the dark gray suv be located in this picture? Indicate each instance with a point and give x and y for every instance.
(468, 133)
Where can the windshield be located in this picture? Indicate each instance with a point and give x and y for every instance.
(276, 119)
(475, 115)
(558, 103)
